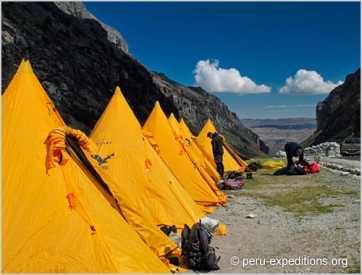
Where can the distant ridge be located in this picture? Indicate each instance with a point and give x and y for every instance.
(283, 123)
(297, 126)
(276, 132)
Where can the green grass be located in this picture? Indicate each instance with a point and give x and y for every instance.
(354, 269)
(300, 201)
(300, 195)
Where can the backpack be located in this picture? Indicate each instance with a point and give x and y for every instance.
(253, 167)
(310, 168)
(233, 184)
(296, 171)
(233, 174)
(196, 250)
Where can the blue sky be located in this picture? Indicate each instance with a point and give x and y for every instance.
(262, 59)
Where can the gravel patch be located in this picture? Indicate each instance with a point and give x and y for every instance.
(267, 239)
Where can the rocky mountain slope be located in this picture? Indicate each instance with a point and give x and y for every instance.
(79, 10)
(339, 115)
(80, 61)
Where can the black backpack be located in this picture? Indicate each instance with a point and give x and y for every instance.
(196, 250)
(254, 166)
(234, 174)
(296, 171)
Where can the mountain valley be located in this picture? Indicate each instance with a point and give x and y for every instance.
(276, 132)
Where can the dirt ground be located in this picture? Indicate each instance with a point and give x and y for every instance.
(276, 241)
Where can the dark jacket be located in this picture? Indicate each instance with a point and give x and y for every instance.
(217, 144)
(291, 149)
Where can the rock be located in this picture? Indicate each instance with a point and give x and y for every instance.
(78, 10)
(251, 216)
(338, 116)
(345, 174)
(356, 171)
(317, 158)
(330, 149)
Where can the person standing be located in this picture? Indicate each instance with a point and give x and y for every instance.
(293, 149)
(217, 151)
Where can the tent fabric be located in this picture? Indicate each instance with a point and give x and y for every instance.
(185, 138)
(57, 222)
(204, 143)
(140, 174)
(159, 243)
(177, 159)
(56, 145)
(239, 160)
(149, 136)
(78, 155)
(154, 238)
(196, 157)
(185, 131)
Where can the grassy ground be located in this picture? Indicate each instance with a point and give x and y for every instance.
(301, 195)
(315, 215)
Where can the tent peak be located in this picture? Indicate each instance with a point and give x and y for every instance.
(157, 107)
(25, 66)
(117, 91)
(209, 123)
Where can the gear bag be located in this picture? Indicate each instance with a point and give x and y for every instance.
(234, 181)
(234, 184)
(196, 250)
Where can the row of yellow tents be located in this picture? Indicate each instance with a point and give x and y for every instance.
(78, 204)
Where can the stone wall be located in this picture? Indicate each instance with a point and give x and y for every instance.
(327, 149)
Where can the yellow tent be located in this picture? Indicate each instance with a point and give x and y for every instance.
(138, 170)
(204, 143)
(155, 239)
(177, 159)
(196, 156)
(210, 169)
(56, 222)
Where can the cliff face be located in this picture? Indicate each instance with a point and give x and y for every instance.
(78, 10)
(338, 116)
(80, 61)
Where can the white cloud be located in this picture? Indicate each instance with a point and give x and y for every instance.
(218, 80)
(307, 83)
